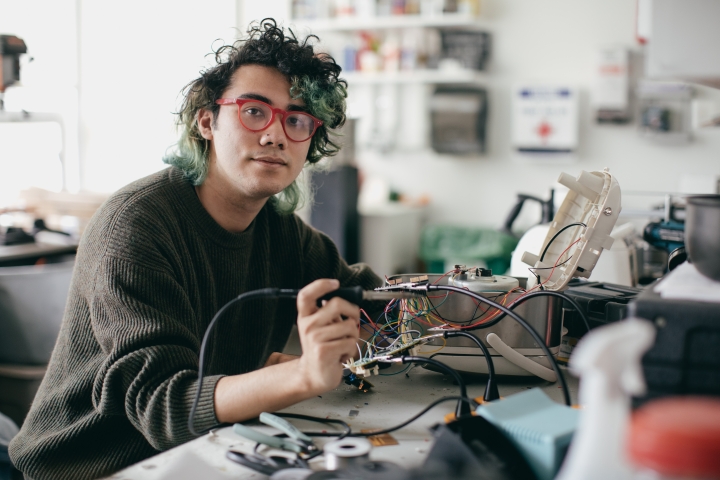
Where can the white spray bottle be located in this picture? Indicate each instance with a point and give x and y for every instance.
(608, 362)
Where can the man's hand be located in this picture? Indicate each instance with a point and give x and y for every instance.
(327, 340)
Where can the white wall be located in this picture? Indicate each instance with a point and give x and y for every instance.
(556, 41)
(136, 56)
(29, 151)
(546, 40)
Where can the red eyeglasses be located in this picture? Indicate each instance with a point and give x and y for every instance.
(257, 116)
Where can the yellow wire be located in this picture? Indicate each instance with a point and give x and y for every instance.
(443, 346)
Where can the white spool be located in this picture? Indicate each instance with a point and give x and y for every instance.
(346, 452)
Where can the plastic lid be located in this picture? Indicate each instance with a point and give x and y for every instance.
(569, 251)
(677, 436)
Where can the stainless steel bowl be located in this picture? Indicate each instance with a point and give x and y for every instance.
(702, 234)
(544, 314)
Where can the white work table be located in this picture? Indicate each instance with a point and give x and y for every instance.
(392, 400)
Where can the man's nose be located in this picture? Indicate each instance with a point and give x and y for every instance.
(274, 134)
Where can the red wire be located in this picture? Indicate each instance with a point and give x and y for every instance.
(497, 311)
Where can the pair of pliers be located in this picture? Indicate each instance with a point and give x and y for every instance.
(296, 442)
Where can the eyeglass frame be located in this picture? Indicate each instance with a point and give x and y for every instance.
(241, 101)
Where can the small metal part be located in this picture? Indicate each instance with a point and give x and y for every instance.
(388, 359)
(607, 211)
(390, 295)
(383, 440)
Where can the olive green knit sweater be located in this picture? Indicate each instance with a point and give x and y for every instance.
(152, 269)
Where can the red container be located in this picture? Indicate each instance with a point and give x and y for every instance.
(677, 436)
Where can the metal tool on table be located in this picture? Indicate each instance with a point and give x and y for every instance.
(296, 442)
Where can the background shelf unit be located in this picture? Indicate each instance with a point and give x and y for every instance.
(414, 77)
(354, 23)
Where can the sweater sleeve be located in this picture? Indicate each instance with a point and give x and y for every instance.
(146, 327)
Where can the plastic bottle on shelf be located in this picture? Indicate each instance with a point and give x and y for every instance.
(390, 52)
(676, 438)
(409, 47)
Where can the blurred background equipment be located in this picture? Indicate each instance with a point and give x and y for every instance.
(684, 306)
(547, 210)
(611, 91)
(33, 294)
(334, 210)
(468, 49)
(664, 110)
(545, 118)
(443, 246)
(703, 234)
(335, 204)
(11, 47)
(459, 116)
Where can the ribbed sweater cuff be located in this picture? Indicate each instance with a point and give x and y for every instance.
(205, 418)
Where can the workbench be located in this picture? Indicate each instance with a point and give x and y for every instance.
(393, 399)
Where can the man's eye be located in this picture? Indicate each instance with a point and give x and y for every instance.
(253, 111)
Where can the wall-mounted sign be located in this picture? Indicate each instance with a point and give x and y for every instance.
(545, 118)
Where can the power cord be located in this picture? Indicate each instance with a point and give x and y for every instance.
(262, 293)
(491, 389)
(462, 408)
(348, 430)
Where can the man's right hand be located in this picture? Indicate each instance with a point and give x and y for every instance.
(327, 340)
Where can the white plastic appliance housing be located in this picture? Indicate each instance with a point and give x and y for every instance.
(593, 199)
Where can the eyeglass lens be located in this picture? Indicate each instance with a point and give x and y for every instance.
(256, 116)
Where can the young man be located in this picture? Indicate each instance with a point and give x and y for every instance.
(165, 253)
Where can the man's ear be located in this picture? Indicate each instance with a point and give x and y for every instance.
(204, 121)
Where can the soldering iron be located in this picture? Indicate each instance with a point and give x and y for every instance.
(354, 295)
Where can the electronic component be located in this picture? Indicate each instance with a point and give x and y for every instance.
(540, 428)
(356, 381)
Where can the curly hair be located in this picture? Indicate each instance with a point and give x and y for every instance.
(313, 78)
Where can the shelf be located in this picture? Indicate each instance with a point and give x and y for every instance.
(413, 76)
(392, 21)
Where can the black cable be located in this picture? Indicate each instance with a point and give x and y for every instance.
(262, 293)
(469, 401)
(310, 418)
(350, 433)
(557, 235)
(462, 408)
(491, 390)
(521, 321)
(522, 299)
(552, 293)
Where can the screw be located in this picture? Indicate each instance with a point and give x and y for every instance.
(607, 211)
(661, 322)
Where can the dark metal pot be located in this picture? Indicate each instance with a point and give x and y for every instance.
(702, 234)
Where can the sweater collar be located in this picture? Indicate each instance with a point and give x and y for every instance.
(191, 206)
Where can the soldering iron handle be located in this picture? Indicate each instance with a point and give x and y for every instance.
(351, 294)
